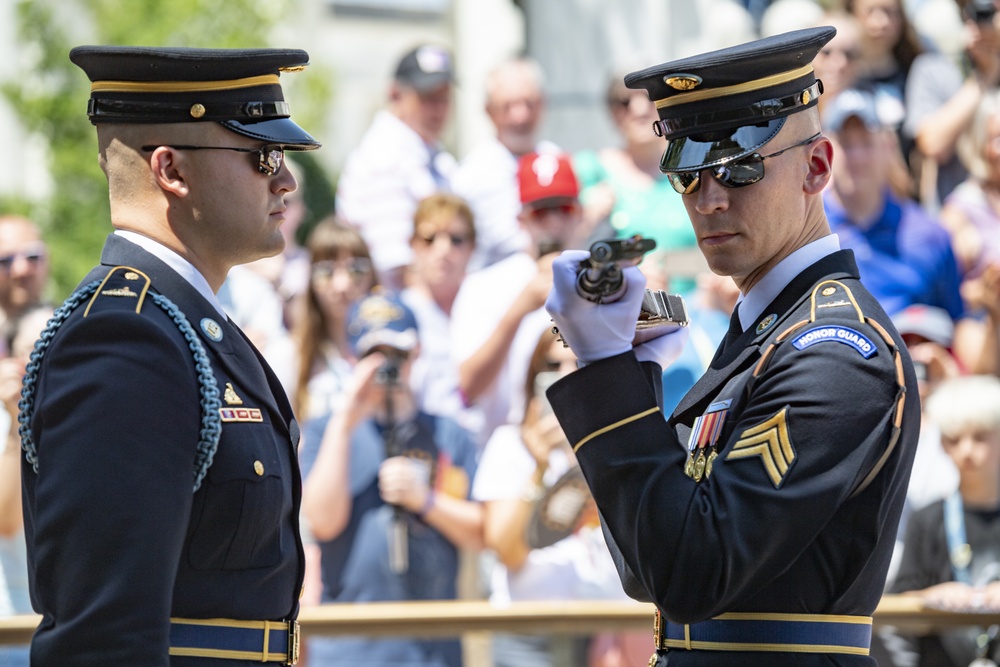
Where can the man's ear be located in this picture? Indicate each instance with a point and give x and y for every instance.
(820, 166)
(168, 168)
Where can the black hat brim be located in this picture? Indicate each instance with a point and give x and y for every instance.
(282, 131)
(699, 152)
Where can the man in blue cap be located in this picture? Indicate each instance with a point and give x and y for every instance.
(160, 480)
(760, 517)
(386, 493)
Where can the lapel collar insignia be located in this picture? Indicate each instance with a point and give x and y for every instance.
(211, 328)
(230, 395)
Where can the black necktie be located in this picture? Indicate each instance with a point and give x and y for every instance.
(735, 328)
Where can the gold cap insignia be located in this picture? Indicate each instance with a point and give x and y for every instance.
(131, 275)
(230, 395)
(829, 291)
(683, 81)
(197, 110)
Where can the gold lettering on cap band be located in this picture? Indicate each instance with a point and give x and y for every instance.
(181, 86)
(749, 86)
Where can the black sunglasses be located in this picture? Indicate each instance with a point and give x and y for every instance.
(270, 157)
(456, 240)
(733, 174)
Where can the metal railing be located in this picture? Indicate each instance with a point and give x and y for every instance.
(457, 617)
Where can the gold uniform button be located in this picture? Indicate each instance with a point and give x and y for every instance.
(258, 468)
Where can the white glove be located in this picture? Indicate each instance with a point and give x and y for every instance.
(593, 331)
(664, 349)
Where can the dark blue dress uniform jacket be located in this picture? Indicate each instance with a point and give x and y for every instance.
(118, 542)
(743, 540)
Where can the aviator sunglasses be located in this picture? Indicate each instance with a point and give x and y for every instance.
(269, 156)
(733, 174)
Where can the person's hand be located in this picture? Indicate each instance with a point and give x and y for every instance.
(11, 376)
(533, 295)
(593, 331)
(990, 291)
(938, 361)
(950, 595)
(405, 482)
(363, 396)
(991, 595)
(541, 433)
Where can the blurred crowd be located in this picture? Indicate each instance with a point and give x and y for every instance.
(410, 334)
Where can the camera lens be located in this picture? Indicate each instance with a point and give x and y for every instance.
(388, 372)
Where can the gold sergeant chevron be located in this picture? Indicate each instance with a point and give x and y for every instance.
(768, 440)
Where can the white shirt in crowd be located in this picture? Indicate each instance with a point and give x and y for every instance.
(485, 296)
(434, 378)
(383, 179)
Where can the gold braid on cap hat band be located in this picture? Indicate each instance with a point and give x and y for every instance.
(181, 86)
(724, 91)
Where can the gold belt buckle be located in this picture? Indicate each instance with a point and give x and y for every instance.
(293, 642)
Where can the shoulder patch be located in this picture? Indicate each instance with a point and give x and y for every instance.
(837, 334)
(129, 275)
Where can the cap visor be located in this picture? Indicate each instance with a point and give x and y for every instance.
(689, 154)
(282, 131)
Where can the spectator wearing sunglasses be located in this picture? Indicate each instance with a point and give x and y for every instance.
(160, 472)
(444, 240)
(776, 485)
(24, 268)
(341, 273)
(498, 312)
(904, 255)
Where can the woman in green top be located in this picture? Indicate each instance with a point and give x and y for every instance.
(622, 189)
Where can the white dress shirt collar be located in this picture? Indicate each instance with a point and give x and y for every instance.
(753, 303)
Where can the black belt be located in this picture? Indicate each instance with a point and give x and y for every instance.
(261, 641)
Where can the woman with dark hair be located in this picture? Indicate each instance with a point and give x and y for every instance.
(340, 273)
(889, 45)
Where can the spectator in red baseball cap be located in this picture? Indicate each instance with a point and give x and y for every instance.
(498, 316)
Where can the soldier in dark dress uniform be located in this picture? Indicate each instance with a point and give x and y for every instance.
(760, 517)
(161, 488)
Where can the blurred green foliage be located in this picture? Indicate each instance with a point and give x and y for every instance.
(50, 101)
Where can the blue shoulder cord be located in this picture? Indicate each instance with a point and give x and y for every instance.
(211, 420)
(959, 551)
(960, 555)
